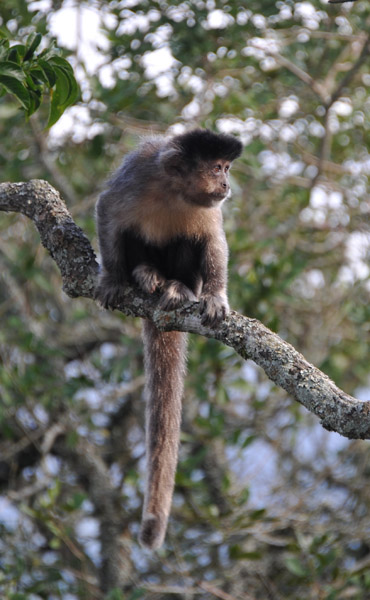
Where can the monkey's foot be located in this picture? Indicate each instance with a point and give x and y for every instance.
(108, 294)
(213, 308)
(175, 295)
(148, 278)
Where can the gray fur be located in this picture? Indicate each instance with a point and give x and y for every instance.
(165, 354)
(160, 227)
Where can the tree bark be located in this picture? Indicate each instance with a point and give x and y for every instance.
(76, 260)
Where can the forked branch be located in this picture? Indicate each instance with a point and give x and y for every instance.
(76, 260)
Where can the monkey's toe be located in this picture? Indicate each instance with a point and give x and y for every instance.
(108, 297)
(175, 295)
(213, 309)
(148, 278)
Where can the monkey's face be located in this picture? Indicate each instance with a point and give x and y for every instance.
(210, 184)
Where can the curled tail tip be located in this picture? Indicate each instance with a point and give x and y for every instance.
(152, 532)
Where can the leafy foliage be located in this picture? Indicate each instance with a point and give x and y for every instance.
(26, 75)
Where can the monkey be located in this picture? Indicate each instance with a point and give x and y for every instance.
(160, 227)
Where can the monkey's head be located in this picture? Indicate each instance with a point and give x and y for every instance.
(199, 161)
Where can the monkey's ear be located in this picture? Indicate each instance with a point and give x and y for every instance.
(172, 161)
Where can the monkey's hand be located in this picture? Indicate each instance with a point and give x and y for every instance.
(175, 295)
(108, 292)
(213, 308)
(148, 278)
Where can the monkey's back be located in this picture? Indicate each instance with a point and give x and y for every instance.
(138, 168)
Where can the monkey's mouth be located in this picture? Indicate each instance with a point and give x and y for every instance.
(219, 196)
(210, 199)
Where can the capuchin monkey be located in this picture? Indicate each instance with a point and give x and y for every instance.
(160, 227)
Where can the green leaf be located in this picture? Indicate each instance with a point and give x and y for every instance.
(243, 496)
(75, 502)
(66, 89)
(15, 87)
(257, 514)
(248, 440)
(4, 45)
(62, 86)
(33, 41)
(295, 566)
(137, 593)
(11, 69)
(58, 99)
(55, 543)
(16, 53)
(115, 594)
(48, 53)
(62, 63)
(237, 553)
(33, 83)
(54, 491)
(48, 72)
(35, 99)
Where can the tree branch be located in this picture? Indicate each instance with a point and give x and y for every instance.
(116, 567)
(59, 234)
(340, 1)
(76, 260)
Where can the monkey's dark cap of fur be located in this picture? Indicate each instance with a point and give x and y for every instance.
(206, 145)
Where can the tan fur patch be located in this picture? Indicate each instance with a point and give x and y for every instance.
(160, 219)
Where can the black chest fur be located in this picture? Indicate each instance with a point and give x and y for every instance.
(180, 259)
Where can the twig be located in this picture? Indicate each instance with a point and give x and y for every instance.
(215, 591)
(293, 68)
(324, 152)
(340, 1)
(352, 72)
(116, 565)
(46, 160)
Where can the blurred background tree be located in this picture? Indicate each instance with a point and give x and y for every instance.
(267, 503)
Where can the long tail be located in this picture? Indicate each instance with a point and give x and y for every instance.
(165, 356)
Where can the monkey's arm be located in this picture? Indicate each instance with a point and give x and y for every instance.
(214, 305)
(113, 275)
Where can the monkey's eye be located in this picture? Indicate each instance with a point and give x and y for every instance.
(217, 168)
